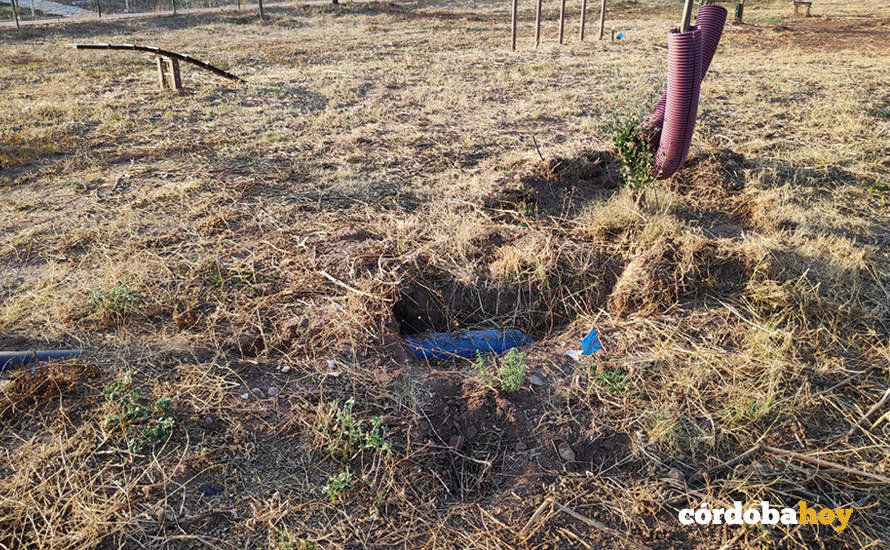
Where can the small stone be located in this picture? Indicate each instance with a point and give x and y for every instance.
(535, 380)
(285, 368)
(272, 391)
(521, 446)
(259, 393)
(245, 395)
(676, 474)
(565, 451)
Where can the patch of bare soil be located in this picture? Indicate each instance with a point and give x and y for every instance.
(489, 441)
(819, 33)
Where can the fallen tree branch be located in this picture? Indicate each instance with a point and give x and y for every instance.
(825, 463)
(870, 412)
(165, 53)
(720, 467)
(340, 283)
(602, 527)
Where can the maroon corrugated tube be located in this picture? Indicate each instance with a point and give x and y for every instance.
(672, 121)
(684, 82)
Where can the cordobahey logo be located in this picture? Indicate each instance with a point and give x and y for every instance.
(766, 515)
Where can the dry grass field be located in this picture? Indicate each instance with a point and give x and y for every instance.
(241, 262)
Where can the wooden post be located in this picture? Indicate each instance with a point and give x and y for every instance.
(173, 64)
(174, 6)
(562, 19)
(513, 26)
(687, 15)
(99, 8)
(15, 14)
(583, 19)
(162, 73)
(602, 19)
(739, 12)
(33, 13)
(262, 13)
(538, 24)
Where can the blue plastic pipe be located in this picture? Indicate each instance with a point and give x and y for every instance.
(444, 345)
(12, 359)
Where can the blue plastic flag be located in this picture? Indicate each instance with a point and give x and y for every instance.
(590, 343)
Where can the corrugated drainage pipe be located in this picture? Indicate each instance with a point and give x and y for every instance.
(689, 53)
(684, 82)
(711, 20)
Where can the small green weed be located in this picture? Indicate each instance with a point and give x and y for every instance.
(287, 541)
(611, 380)
(337, 485)
(78, 185)
(118, 302)
(634, 152)
(221, 277)
(154, 423)
(347, 435)
(511, 369)
(481, 370)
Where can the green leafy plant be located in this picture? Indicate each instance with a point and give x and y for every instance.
(347, 435)
(337, 485)
(634, 152)
(511, 370)
(510, 374)
(117, 302)
(613, 381)
(143, 425)
(287, 541)
(481, 370)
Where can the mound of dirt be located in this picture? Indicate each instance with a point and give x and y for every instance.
(672, 269)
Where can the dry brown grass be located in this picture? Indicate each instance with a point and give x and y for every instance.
(377, 174)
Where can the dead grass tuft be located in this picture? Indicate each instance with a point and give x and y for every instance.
(656, 279)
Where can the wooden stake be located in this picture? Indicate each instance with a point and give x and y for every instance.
(99, 8)
(262, 13)
(162, 72)
(687, 15)
(15, 14)
(562, 20)
(177, 80)
(513, 26)
(174, 6)
(583, 19)
(602, 19)
(538, 25)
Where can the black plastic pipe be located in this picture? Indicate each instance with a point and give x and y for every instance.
(686, 51)
(12, 359)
